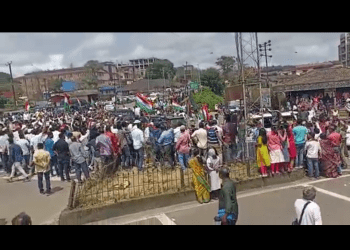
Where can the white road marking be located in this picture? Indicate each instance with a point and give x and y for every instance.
(339, 196)
(165, 220)
(126, 219)
(287, 187)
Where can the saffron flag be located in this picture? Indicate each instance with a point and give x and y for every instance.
(144, 104)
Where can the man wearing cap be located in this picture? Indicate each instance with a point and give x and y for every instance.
(138, 141)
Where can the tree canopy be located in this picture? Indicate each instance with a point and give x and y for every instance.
(211, 78)
(155, 71)
(207, 96)
(91, 68)
(226, 64)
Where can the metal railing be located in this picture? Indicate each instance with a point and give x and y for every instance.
(123, 185)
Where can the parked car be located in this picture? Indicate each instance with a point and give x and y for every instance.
(109, 107)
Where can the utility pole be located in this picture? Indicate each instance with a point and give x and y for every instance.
(259, 78)
(163, 86)
(264, 45)
(13, 88)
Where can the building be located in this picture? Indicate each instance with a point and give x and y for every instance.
(332, 81)
(344, 49)
(107, 92)
(134, 70)
(148, 86)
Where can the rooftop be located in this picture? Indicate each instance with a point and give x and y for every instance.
(334, 77)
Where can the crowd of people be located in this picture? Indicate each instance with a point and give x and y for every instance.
(84, 141)
(318, 144)
(50, 144)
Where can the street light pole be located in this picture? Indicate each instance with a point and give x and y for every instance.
(13, 88)
(265, 44)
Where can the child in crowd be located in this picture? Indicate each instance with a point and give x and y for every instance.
(313, 151)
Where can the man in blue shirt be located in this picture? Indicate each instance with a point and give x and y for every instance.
(16, 158)
(154, 136)
(166, 140)
(49, 147)
(300, 133)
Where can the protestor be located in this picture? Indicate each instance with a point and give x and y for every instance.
(262, 154)
(15, 159)
(274, 143)
(313, 149)
(183, 147)
(61, 148)
(213, 166)
(41, 161)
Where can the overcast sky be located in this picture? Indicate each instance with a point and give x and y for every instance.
(47, 51)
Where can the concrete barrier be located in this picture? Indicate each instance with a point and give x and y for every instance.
(82, 216)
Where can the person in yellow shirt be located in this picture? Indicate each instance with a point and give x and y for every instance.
(41, 160)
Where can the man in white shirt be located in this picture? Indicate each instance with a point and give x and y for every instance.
(177, 132)
(24, 144)
(55, 133)
(313, 149)
(202, 140)
(37, 138)
(137, 111)
(26, 116)
(138, 140)
(4, 146)
(312, 213)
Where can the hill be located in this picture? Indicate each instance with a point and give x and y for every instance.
(4, 78)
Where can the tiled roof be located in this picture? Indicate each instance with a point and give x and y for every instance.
(321, 75)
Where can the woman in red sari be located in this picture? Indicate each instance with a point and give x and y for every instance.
(329, 159)
(292, 149)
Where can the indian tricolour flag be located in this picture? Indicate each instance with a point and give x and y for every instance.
(27, 106)
(143, 103)
(177, 106)
(67, 102)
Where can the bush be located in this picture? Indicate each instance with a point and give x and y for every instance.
(207, 96)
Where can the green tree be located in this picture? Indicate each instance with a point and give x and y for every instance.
(211, 78)
(92, 67)
(207, 96)
(55, 85)
(226, 64)
(155, 71)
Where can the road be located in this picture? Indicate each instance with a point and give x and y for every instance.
(272, 205)
(19, 196)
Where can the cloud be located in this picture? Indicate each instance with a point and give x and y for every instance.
(97, 41)
(54, 62)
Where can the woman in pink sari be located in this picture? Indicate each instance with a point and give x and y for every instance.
(329, 159)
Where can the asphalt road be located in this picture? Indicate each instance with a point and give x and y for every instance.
(19, 196)
(272, 205)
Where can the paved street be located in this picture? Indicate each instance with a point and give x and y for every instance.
(22, 196)
(272, 205)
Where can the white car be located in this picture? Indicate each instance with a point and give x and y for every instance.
(109, 107)
(233, 108)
